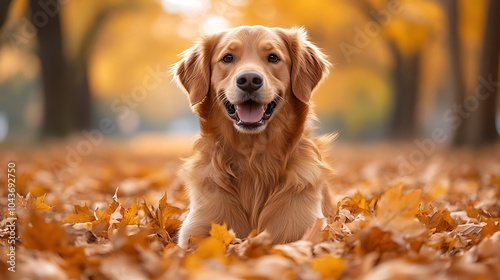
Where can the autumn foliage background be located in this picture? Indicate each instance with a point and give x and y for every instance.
(97, 130)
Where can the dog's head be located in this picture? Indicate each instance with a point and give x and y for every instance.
(251, 72)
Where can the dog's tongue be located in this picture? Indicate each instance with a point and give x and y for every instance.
(250, 112)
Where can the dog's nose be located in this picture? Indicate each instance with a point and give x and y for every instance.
(249, 81)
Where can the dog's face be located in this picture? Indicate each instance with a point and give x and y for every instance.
(251, 73)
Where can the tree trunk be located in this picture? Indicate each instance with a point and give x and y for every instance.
(480, 128)
(66, 90)
(406, 80)
(58, 117)
(456, 70)
(82, 100)
(79, 66)
(4, 11)
(488, 71)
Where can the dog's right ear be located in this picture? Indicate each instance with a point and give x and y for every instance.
(192, 72)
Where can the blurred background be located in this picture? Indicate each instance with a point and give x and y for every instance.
(403, 69)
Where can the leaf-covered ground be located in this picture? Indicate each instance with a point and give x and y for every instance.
(112, 213)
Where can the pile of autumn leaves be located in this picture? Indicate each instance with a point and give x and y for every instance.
(115, 217)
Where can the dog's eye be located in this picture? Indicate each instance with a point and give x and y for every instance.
(273, 58)
(228, 58)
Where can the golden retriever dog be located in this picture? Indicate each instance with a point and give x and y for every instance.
(255, 164)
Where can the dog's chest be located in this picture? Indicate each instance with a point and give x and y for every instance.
(253, 186)
(252, 196)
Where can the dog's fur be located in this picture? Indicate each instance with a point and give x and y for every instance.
(272, 177)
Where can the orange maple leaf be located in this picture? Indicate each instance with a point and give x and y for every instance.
(42, 235)
(397, 212)
(131, 213)
(39, 203)
(81, 214)
(221, 233)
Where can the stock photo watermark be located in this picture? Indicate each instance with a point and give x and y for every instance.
(454, 117)
(121, 106)
(363, 37)
(11, 216)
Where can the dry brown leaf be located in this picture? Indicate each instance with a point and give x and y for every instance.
(271, 267)
(490, 247)
(470, 228)
(39, 203)
(131, 213)
(121, 267)
(453, 202)
(300, 251)
(165, 218)
(42, 235)
(81, 214)
(397, 212)
(437, 220)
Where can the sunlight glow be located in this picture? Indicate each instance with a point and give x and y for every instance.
(186, 6)
(214, 24)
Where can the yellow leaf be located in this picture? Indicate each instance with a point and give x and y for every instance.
(356, 204)
(166, 216)
(397, 212)
(39, 203)
(328, 266)
(210, 247)
(405, 205)
(130, 214)
(81, 214)
(438, 190)
(360, 201)
(105, 214)
(221, 233)
(38, 190)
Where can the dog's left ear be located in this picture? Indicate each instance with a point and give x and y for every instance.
(309, 64)
(192, 72)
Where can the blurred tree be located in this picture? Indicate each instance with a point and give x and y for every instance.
(483, 123)
(480, 127)
(59, 117)
(360, 74)
(395, 72)
(406, 67)
(456, 71)
(67, 93)
(4, 10)
(405, 75)
(78, 67)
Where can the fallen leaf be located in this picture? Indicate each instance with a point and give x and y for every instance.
(81, 214)
(470, 228)
(300, 251)
(39, 203)
(397, 213)
(329, 267)
(221, 233)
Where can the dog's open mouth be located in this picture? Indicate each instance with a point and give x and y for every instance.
(250, 114)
